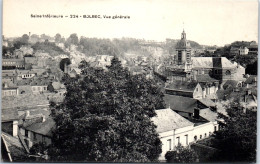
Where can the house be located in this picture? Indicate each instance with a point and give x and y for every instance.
(209, 86)
(232, 85)
(12, 149)
(249, 100)
(187, 89)
(13, 64)
(172, 129)
(25, 74)
(243, 50)
(9, 119)
(39, 86)
(234, 51)
(10, 75)
(29, 61)
(185, 106)
(253, 48)
(36, 128)
(251, 81)
(9, 90)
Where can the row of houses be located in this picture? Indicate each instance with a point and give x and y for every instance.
(251, 49)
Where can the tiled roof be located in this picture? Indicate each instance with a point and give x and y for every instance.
(9, 115)
(184, 86)
(202, 62)
(205, 78)
(251, 79)
(26, 100)
(230, 83)
(39, 83)
(180, 103)
(207, 62)
(14, 147)
(44, 128)
(207, 102)
(167, 120)
(208, 114)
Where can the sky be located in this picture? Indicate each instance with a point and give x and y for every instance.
(208, 22)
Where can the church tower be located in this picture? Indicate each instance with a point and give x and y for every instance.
(183, 49)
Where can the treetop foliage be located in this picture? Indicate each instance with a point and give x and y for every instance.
(237, 137)
(109, 113)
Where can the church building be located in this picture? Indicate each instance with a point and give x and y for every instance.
(187, 68)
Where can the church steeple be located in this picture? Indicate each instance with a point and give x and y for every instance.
(183, 35)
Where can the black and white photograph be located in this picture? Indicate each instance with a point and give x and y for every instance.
(129, 81)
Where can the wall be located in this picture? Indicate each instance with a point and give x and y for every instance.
(7, 127)
(201, 130)
(170, 139)
(34, 138)
(9, 92)
(198, 92)
(37, 89)
(179, 93)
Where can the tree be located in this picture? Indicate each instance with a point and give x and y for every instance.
(24, 38)
(73, 39)
(236, 139)
(57, 38)
(105, 116)
(181, 155)
(251, 69)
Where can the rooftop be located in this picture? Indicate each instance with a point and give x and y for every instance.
(208, 114)
(167, 120)
(210, 62)
(206, 78)
(180, 103)
(44, 128)
(14, 147)
(9, 115)
(180, 85)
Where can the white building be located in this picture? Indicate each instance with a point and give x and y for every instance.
(243, 50)
(174, 129)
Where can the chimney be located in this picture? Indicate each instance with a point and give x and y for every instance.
(27, 113)
(43, 118)
(196, 113)
(244, 110)
(5, 85)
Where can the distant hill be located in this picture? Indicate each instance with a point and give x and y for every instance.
(48, 47)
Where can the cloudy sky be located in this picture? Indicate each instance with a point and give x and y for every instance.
(209, 22)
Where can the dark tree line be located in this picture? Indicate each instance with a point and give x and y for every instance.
(105, 116)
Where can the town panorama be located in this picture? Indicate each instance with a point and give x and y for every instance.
(80, 99)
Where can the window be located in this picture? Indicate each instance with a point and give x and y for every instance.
(205, 135)
(178, 140)
(169, 142)
(215, 128)
(34, 136)
(200, 136)
(195, 138)
(228, 72)
(26, 133)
